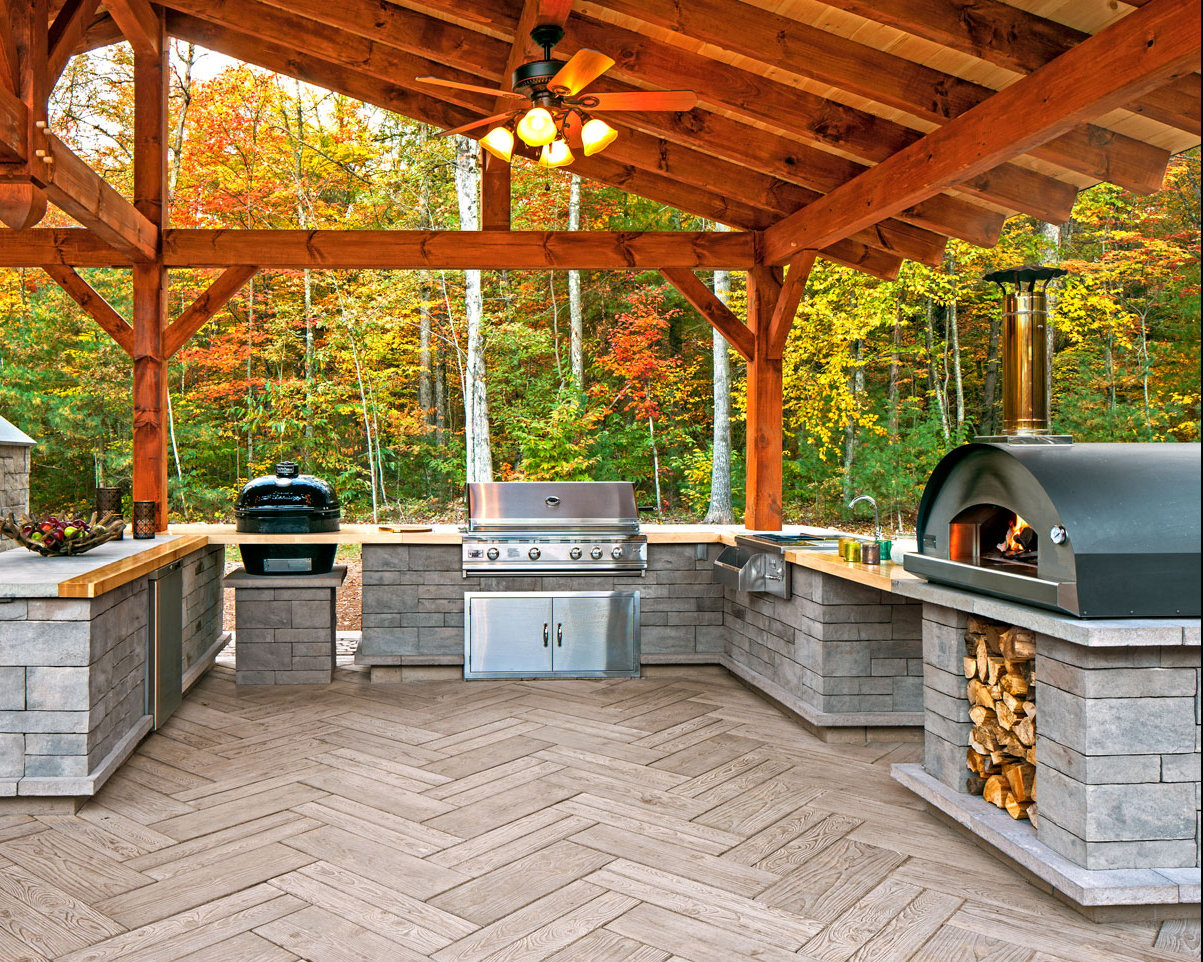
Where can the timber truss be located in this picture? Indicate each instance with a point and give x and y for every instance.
(808, 142)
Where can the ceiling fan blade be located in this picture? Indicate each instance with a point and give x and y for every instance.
(646, 100)
(475, 124)
(480, 90)
(582, 69)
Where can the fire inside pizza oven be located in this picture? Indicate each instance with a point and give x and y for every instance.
(996, 537)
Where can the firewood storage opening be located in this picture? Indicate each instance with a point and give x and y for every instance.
(1000, 663)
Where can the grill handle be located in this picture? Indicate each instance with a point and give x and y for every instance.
(546, 635)
(560, 635)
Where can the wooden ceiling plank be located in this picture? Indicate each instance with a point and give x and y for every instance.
(211, 300)
(67, 33)
(1009, 37)
(720, 316)
(99, 309)
(553, 12)
(138, 22)
(803, 50)
(1129, 57)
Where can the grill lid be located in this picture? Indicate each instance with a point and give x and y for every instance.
(287, 492)
(552, 505)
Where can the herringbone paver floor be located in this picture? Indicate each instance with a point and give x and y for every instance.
(674, 818)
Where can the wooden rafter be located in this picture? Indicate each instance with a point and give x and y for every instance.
(936, 97)
(721, 317)
(787, 302)
(1134, 55)
(99, 309)
(207, 303)
(67, 33)
(1011, 37)
(138, 22)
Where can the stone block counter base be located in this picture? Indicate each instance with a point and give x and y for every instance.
(1117, 749)
(284, 627)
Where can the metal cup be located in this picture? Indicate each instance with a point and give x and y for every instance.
(870, 554)
(144, 519)
(844, 545)
(108, 501)
(885, 547)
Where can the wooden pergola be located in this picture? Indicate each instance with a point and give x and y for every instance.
(862, 131)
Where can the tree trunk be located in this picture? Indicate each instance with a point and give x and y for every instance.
(651, 431)
(1051, 244)
(302, 206)
(892, 403)
(721, 510)
(184, 79)
(856, 385)
(989, 422)
(476, 405)
(954, 334)
(576, 334)
(425, 385)
(935, 383)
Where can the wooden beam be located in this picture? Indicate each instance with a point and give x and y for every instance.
(787, 302)
(99, 309)
(13, 117)
(21, 205)
(720, 316)
(1136, 54)
(806, 51)
(9, 70)
(459, 250)
(207, 303)
(139, 23)
(1013, 38)
(67, 33)
(553, 11)
(764, 430)
(150, 278)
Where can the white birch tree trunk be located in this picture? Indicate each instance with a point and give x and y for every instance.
(576, 332)
(720, 510)
(476, 405)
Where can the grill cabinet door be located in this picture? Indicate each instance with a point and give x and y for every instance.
(509, 633)
(595, 632)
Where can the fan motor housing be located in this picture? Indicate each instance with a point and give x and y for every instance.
(535, 74)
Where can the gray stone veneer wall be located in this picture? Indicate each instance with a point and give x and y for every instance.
(1117, 743)
(63, 714)
(837, 646)
(413, 602)
(14, 484)
(202, 593)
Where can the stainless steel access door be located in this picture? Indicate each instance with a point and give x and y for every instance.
(594, 632)
(534, 634)
(164, 654)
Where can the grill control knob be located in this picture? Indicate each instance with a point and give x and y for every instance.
(595, 553)
(616, 552)
(534, 553)
(575, 554)
(492, 554)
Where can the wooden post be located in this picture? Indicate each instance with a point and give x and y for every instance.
(494, 192)
(150, 280)
(763, 511)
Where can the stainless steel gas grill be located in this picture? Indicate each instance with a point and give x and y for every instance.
(553, 527)
(559, 530)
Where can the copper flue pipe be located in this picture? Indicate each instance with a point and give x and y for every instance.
(1025, 354)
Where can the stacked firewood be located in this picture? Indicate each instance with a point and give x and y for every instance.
(1000, 662)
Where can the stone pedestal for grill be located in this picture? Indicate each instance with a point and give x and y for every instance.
(284, 627)
(1117, 749)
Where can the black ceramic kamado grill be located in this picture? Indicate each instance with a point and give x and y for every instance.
(287, 503)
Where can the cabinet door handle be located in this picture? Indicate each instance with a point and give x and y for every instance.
(546, 635)
(559, 635)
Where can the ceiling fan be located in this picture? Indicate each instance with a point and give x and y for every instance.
(559, 115)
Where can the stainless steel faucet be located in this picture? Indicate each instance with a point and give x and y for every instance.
(876, 523)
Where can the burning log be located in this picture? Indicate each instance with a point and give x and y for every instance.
(999, 664)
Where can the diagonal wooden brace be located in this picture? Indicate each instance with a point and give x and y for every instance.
(101, 311)
(207, 303)
(710, 307)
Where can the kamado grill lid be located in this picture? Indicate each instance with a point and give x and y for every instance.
(287, 491)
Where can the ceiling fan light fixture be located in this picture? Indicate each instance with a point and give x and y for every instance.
(537, 127)
(556, 154)
(597, 135)
(499, 142)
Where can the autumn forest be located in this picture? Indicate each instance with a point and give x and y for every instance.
(368, 377)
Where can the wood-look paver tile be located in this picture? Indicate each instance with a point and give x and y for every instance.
(139, 802)
(143, 836)
(194, 929)
(906, 932)
(605, 786)
(95, 837)
(1179, 937)
(387, 798)
(247, 947)
(495, 894)
(160, 776)
(828, 882)
(860, 922)
(758, 847)
(372, 823)
(529, 771)
(178, 893)
(215, 852)
(417, 877)
(73, 867)
(35, 931)
(693, 939)
(820, 835)
(731, 876)
(45, 900)
(487, 756)
(698, 900)
(213, 819)
(587, 761)
(665, 828)
(508, 842)
(564, 929)
(485, 815)
(956, 945)
(205, 843)
(699, 760)
(602, 945)
(321, 936)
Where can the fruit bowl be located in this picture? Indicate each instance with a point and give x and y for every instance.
(55, 537)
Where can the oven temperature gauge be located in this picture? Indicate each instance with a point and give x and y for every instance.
(1058, 534)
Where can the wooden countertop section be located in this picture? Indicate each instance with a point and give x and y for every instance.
(881, 576)
(122, 572)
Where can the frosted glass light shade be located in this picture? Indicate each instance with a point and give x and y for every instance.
(597, 135)
(556, 154)
(537, 127)
(499, 142)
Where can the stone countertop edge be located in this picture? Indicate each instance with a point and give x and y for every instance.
(24, 574)
(1087, 632)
